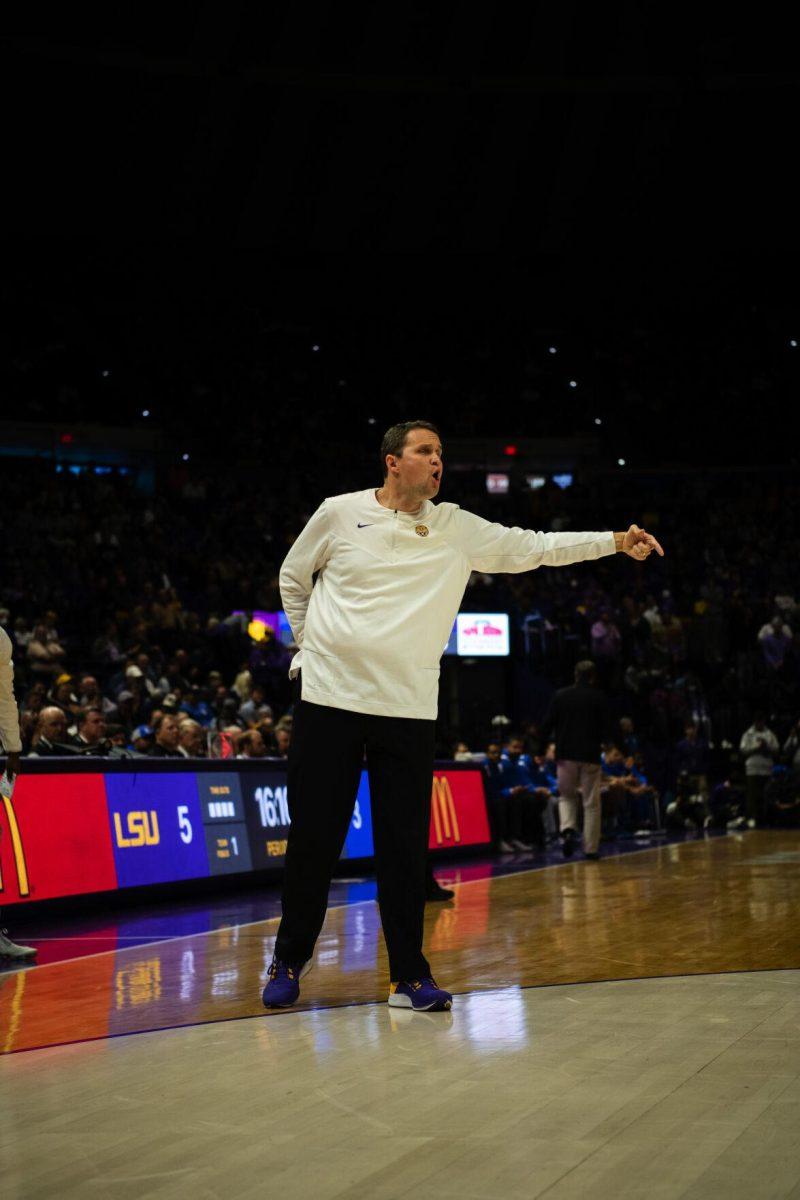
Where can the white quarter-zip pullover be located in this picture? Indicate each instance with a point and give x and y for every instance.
(9, 715)
(373, 628)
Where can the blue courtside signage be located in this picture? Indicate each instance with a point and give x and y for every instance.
(156, 828)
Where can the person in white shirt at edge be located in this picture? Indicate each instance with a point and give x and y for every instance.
(371, 588)
(12, 747)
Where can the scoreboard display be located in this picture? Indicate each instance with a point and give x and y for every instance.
(73, 828)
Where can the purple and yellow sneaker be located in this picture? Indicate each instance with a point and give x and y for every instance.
(420, 994)
(283, 983)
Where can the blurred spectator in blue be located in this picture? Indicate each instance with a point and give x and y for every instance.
(254, 710)
(628, 795)
(197, 707)
(528, 781)
(775, 640)
(691, 758)
(505, 808)
(141, 739)
(628, 741)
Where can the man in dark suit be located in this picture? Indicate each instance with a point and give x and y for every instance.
(579, 722)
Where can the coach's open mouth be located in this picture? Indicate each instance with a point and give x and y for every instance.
(436, 475)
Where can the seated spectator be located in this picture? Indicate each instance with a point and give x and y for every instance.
(283, 739)
(775, 640)
(35, 699)
(191, 739)
(243, 683)
(22, 635)
(91, 735)
(688, 810)
(118, 742)
(267, 730)
(130, 709)
(251, 745)
(44, 656)
(759, 749)
(691, 758)
(782, 798)
(90, 696)
(229, 716)
(627, 795)
(135, 680)
(63, 695)
(791, 748)
(269, 666)
(544, 772)
(50, 739)
(777, 625)
(142, 739)
(254, 710)
(172, 701)
(196, 706)
(106, 650)
(462, 752)
(673, 637)
(606, 646)
(725, 805)
(505, 808)
(167, 737)
(519, 780)
(628, 741)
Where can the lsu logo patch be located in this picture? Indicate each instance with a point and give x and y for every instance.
(421, 530)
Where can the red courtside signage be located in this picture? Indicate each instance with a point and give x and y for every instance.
(458, 810)
(55, 839)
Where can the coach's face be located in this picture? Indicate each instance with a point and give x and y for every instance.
(419, 468)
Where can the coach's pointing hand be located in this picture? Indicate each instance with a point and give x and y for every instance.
(637, 543)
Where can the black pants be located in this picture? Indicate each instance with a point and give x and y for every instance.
(754, 789)
(325, 761)
(505, 813)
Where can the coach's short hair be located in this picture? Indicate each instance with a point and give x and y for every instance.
(585, 671)
(394, 439)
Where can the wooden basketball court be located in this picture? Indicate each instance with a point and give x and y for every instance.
(620, 1028)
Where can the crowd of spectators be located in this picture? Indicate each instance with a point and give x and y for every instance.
(153, 698)
(129, 615)
(125, 603)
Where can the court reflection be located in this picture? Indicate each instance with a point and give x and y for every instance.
(724, 904)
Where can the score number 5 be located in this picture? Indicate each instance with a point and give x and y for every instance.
(184, 823)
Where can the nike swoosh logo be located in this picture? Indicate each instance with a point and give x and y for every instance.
(366, 526)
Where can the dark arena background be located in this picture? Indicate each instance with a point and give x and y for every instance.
(241, 244)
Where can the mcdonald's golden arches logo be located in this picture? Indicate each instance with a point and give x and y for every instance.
(18, 850)
(443, 812)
